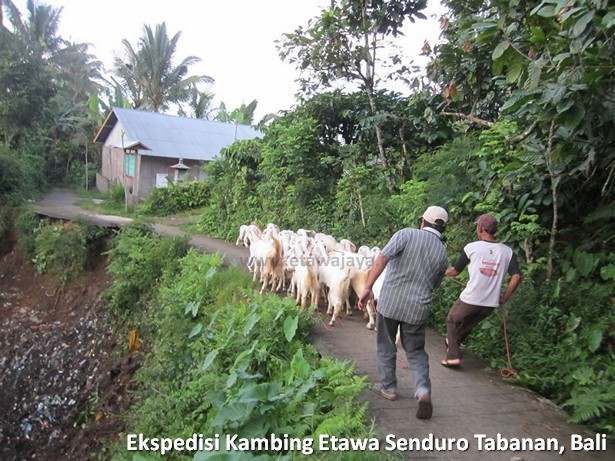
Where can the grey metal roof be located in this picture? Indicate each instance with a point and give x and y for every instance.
(172, 136)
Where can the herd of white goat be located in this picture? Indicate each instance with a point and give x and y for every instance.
(310, 264)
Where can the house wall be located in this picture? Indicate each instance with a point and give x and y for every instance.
(151, 166)
(112, 163)
(112, 156)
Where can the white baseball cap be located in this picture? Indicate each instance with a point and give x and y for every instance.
(433, 213)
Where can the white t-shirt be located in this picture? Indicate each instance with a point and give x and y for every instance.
(488, 263)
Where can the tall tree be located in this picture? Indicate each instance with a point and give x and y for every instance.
(549, 66)
(25, 78)
(152, 80)
(49, 83)
(39, 29)
(343, 44)
(25, 86)
(71, 67)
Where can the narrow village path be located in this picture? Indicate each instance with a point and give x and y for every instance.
(476, 412)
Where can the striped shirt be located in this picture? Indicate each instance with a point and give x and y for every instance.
(416, 264)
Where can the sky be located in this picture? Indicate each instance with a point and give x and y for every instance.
(234, 39)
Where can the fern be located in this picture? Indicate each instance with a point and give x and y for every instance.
(343, 424)
(591, 403)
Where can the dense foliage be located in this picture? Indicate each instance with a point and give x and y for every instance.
(46, 121)
(225, 360)
(176, 198)
(61, 249)
(137, 271)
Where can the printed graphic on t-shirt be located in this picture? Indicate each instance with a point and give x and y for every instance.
(489, 267)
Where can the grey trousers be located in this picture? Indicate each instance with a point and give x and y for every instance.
(413, 343)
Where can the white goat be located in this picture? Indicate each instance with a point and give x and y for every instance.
(336, 276)
(272, 230)
(358, 266)
(328, 240)
(372, 305)
(306, 278)
(247, 233)
(287, 239)
(346, 245)
(266, 256)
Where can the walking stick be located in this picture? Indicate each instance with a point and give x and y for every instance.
(458, 282)
(510, 371)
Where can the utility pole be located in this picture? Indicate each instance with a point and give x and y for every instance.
(124, 175)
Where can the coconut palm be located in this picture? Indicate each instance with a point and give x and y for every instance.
(40, 29)
(52, 77)
(198, 103)
(151, 79)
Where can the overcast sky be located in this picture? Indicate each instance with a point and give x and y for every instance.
(233, 38)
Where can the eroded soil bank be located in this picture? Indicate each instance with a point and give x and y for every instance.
(65, 375)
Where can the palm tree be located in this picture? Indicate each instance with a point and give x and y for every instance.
(52, 78)
(198, 103)
(151, 79)
(80, 71)
(40, 29)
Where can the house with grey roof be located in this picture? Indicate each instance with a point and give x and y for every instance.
(143, 150)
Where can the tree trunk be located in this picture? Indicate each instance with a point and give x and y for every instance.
(404, 147)
(370, 70)
(87, 185)
(381, 153)
(528, 246)
(361, 210)
(555, 180)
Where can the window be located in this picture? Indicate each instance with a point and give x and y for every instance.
(129, 164)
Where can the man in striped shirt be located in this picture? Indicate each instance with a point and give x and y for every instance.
(416, 260)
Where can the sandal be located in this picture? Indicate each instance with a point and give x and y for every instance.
(452, 363)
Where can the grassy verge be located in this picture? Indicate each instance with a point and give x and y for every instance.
(225, 361)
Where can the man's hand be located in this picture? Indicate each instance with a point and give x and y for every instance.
(366, 296)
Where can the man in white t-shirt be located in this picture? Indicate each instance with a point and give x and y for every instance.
(488, 262)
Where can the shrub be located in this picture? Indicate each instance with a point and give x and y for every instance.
(61, 250)
(137, 260)
(5, 228)
(176, 198)
(21, 172)
(116, 194)
(564, 346)
(228, 360)
(10, 176)
(28, 224)
(76, 174)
